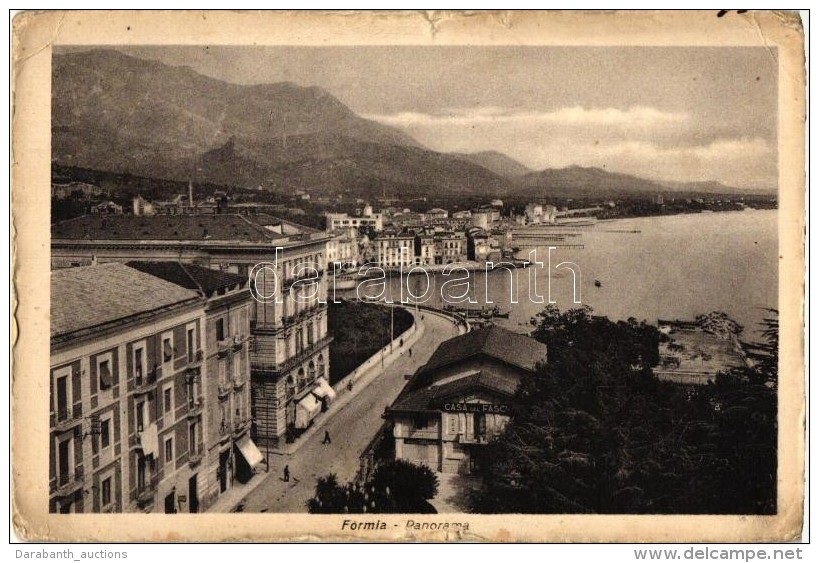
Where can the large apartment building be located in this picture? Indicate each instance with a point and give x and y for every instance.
(289, 352)
(124, 348)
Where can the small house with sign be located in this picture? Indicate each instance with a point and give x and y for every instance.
(462, 398)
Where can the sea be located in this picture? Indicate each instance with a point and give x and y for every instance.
(648, 268)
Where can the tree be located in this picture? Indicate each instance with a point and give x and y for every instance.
(396, 487)
(594, 431)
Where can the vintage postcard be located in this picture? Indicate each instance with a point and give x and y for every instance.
(408, 276)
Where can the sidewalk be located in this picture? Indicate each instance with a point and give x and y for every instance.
(351, 425)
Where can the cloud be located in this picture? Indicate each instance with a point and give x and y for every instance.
(641, 115)
(641, 140)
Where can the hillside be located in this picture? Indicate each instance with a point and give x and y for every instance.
(119, 113)
(497, 162)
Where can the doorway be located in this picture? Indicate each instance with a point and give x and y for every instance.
(170, 503)
(193, 495)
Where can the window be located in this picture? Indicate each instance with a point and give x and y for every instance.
(65, 460)
(63, 393)
(191, 342)
(169, 450)
(167, 400)
(140, 416)
(167, 347)
(421, 422)
(105, 432)
(220, 329)
(104, 372)
(194, 443)
(237, 370)
(139, 363)
(106, 492)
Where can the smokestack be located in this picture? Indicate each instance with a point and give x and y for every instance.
(190, 193)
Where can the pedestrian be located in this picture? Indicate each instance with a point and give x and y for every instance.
(286, 473)
(327, 439)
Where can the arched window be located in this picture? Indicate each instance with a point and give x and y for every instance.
(311, 371)
(321, 372)
(291, 386)
(300, 378)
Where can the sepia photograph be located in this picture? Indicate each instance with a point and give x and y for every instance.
(412, 284)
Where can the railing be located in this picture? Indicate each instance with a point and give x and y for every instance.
(146, 492)
(224, 390)
(241, 427)
(196, 455)
(67, 483)
(463, 438)
(66, 417)
(195, 407)
(146, 383)
(195, 359)
(239, 340)
(295, 360)
(224, 346)
(315, 274)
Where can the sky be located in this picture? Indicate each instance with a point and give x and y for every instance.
(665, 113)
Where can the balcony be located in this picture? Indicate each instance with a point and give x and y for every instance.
(68, 483)
(146, 383)
(239, 340)
(195, 359)
(224, 390)
(195, 407)
(474, 438)
(300, 357)
(316, 275)
(241, 427)
(146, 492)
(225, 431)
(224, 346)
(65, 418)
(239, 382)
(196, 456)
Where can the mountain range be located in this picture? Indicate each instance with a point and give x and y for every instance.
(119, 113)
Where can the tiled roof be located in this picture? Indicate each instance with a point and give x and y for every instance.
(428, 398)
(220, 227)
(493, 341)
(94, 295)
(190, 276)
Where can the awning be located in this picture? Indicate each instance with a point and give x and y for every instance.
(306, 410)
(323, 389)
(149, 440)
(250, 452)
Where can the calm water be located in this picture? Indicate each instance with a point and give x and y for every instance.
(675, 267)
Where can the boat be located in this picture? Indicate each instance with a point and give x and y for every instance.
(478, 312)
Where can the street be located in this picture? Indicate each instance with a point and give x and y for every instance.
(351, 429)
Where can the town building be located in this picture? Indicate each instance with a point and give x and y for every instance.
(343, 247)
(79, 190)
(462, 398)
(290, 346)
(367, 219)
(124, 417)
(482, 218)
(106, 208)
(424, 249)
(450, 247)
(437, 213)
(394, 249)
(227, 451)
